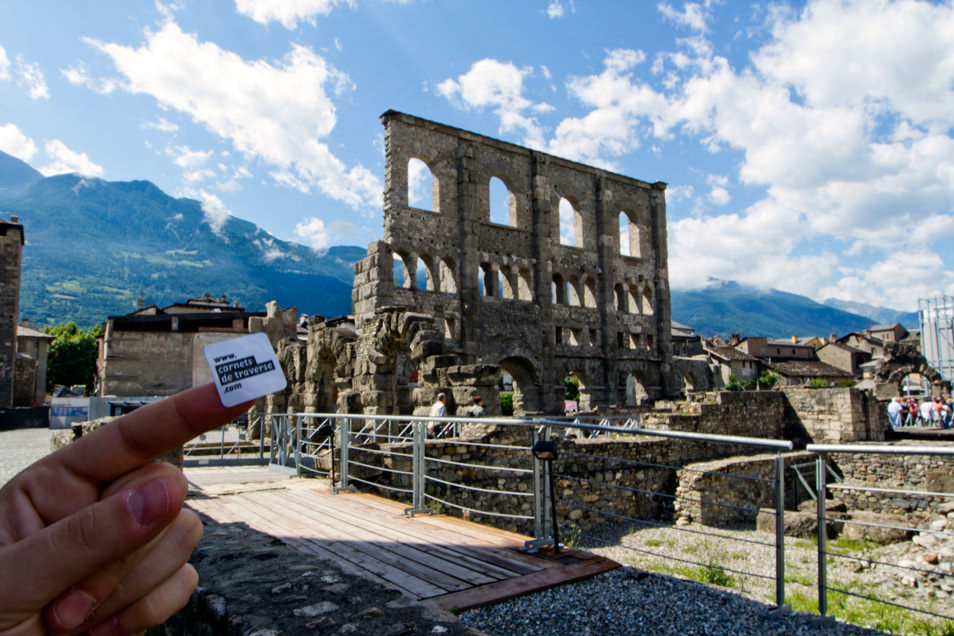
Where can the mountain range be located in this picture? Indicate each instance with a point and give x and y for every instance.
(94, 247)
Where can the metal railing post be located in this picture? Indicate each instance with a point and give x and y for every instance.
(779, 532)
(298, 443)
(820, 488)
(538, 507)
(344, 443)
(418, 477)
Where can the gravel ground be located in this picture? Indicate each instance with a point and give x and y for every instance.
(631, 602)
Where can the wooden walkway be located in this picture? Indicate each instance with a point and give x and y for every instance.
(443, 561)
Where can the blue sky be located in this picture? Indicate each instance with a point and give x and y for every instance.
(808, 146)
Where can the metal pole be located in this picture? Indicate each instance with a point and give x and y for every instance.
(538, 496)
(779, 531)
(820, 490)
(331, 438)
(553, 512)
(344, 442)
(298, 442)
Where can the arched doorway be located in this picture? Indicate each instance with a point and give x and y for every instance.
(636, 393)
(526, 392)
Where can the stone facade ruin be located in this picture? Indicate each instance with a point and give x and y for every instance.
(475, 296)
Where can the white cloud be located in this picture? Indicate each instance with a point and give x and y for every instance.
(278, 112)
(897, 281)
(13, 142)
(320, 237)
(289, 12)
(693, 15)
(843, 120)
(32, 77)
(4, 65)
(185, 157)
(498, 85)
(79, 76)
(558, 8)
(270, 250)
(214, 212)
(63, 160)
(162, 125)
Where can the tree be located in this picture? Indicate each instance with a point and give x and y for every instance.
(72, 355)
(571, 387)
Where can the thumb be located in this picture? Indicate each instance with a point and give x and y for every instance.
(76, 547)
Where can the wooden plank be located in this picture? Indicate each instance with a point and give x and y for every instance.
(504, 590)
(412, 586)
(428, 551)
(477, 561)
(403, 556)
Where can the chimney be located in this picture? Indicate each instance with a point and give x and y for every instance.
(794, 339)
(734, 341)
(832, 338)
(14, 218)
(141, 303)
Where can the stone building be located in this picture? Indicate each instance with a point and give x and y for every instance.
(476, 297)
(32, 347)
(155, 351)
(11, 253)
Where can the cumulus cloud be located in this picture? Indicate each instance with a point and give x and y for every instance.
(288, 12)
(498, 86)
(31, 76)
(13, 142)
(214, 212)
(162, 125)
(897, 281)
(845, 141)
(78, 75)
(319, 236)
(63, 160)
(279, 112)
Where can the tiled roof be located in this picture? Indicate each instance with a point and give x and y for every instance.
(808, 368)
(728, 353)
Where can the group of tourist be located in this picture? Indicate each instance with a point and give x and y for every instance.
(439, 409)
(937, 413)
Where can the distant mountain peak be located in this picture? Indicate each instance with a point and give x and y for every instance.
(15, 175)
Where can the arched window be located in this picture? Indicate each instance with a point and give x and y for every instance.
(648, 301)
(589, 293)
(506, 283)
(635, 300)
(425, 276)
(403, 271)
(629, 238)
(502, 204)
(525, 285)
(487, 283)
(558, 290)
(447, 280)
(571, 225)
(573, 296)
(421, 186)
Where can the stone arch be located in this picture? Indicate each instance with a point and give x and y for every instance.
(502, 205)
(589, 293)
(423, 187)
(635, 388)
(404, 270)
(584, 401)
(902, 359)
(622, 299)
(647, 301)
(427, 277)
(574, 295)
(524, 284)
(446, 278)
(629, 235)
(526, 391)
(508, 289)
(570, 229)
(558, 290)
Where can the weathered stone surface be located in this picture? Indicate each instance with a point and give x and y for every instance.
(876, 527)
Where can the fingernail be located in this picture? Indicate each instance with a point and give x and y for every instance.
(149, 502)
(106, 628)
(73, 609)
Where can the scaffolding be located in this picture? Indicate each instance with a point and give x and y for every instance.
(936, 316)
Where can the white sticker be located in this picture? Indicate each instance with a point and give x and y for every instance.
(244, 368)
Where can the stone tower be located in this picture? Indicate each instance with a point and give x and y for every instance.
(11, 252)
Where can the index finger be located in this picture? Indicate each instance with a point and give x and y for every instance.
(136, 438)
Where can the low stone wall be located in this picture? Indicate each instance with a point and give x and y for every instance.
(729, 492)
(928, 473)
(835, 415)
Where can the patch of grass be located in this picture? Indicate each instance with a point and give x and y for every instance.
(850, 546)
(655, 543)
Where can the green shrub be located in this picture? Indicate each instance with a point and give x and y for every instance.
(506, 403)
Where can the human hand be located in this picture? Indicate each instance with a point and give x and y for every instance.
(93, 537)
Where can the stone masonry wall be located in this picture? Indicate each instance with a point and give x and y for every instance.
(11, 249)
(511, 295)
(836, 415)
(894, 472)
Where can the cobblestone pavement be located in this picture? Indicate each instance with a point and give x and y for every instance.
(21, 447)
